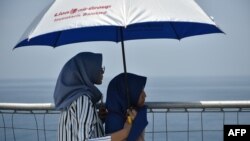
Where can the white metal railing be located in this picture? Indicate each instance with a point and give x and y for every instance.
(151, 105)
(184, 121)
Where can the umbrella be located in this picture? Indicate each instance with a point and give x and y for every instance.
(72, 21)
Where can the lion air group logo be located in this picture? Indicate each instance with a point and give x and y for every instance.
(73, 11)
(80, 12)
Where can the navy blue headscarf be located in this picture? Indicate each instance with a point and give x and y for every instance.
(117, 104)
(77, 78)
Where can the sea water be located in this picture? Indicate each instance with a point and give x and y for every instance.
(162, 89)
(158, 89)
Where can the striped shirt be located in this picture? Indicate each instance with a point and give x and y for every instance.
(80, 121)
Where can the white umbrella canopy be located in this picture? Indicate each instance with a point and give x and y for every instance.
(72, 21)
(68, 21)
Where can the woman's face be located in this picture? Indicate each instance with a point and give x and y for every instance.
(100, 77)
(141, 100)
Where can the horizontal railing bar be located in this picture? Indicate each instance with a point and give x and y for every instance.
(27, 106)
(200, 104)
(183, 131)
(28, 129)
(151, 105)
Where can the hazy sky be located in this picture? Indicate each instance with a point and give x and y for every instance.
(206, 55)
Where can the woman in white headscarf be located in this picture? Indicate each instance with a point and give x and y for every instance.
(76, 96)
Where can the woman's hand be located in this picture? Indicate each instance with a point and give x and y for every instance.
(102, 113)
(122, 135)
(131, 114)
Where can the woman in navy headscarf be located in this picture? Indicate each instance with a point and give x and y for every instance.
(76, 96)
(117, 106)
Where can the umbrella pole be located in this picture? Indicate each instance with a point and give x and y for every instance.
(124, 67)
(123, 54)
